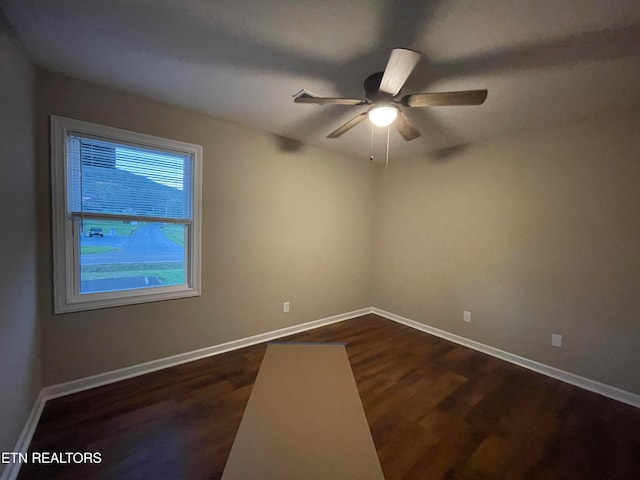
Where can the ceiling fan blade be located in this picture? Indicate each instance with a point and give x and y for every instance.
(329, 100)
(348, 126)
(400, 65)
(468, 97)
(405, 128)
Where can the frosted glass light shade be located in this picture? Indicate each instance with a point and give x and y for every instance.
(383, 115)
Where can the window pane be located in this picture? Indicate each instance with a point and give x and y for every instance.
(121, 255)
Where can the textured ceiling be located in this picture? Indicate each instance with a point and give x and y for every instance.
(544, 62)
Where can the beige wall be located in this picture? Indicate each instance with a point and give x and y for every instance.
(278, 226)
(20, 378)
(535, 234)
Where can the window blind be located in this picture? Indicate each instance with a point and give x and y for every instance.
(123, 180)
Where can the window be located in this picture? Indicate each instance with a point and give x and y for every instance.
(126, 216)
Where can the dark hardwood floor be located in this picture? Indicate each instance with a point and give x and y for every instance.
(436, 411)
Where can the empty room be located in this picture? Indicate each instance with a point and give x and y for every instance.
(320, 240)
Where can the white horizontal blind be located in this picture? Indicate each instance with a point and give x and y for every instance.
(127, 181)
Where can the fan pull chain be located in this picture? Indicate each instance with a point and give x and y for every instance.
(387, 163)
(371, 152)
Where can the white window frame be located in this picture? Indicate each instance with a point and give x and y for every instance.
(66, 282)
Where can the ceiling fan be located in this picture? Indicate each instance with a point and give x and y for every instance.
(381, 90)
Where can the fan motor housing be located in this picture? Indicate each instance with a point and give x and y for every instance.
(372, 88)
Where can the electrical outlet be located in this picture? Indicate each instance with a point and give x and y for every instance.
(556, 340)
(467, 316)
(285, 307)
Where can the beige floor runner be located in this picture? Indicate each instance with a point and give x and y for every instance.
(304, 420)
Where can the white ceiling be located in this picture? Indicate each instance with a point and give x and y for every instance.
(544, 62)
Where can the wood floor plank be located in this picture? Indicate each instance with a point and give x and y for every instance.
(436, 410)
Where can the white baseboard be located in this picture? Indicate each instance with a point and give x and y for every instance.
(100, 379)
(567, 377)
(11, 470)
(148, 367)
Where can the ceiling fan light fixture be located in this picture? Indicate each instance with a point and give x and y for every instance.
(383, 115)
